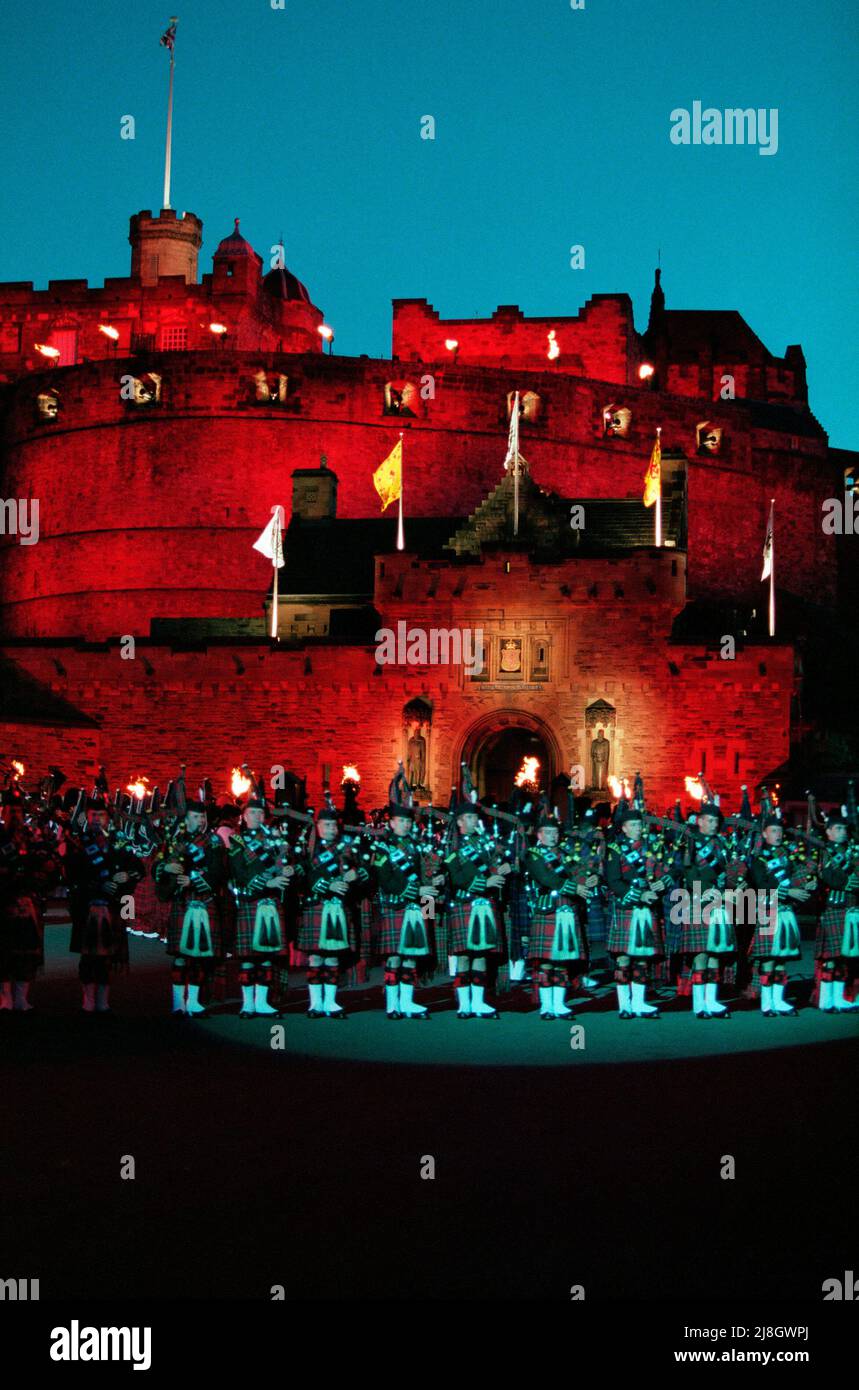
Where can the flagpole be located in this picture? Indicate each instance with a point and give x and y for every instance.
(516, 469)
(658, 515)
(772, 567)
(401, 538)
(274, 604)
(167, 152)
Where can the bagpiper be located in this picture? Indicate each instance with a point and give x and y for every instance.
(29, 866)
(635, 878)
(836, 949)
(560, 886)
(776, 938)
(190, 872)
(475, 924)
(403, 938)
(707, 936)
(101, 871)
(335, 877)
(259, 875)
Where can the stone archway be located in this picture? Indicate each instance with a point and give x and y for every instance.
(494, 746)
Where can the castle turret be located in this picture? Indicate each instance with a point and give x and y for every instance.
(165, 245)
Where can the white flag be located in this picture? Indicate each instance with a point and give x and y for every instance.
(768, 547)
(270, 542)
(513, 437)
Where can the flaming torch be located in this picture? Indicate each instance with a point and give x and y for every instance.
(694, 788)
(240, 784)
(350, 774)
(18, 769)
(528, 776)
(138, 790)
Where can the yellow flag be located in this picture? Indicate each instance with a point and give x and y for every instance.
(388, 477)
(653, 476)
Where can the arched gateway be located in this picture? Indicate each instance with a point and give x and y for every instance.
(495, 746)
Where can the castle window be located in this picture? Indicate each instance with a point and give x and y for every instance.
(530, 406)
(617, 420)
(47, 405)
(709, 437)
(174, 338)
(269, 387)
(146, 389)
(401, 398)
(10, 337)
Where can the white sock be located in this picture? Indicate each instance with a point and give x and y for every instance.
(261, 1004)
(559, 1007)
(178, 999)
(194, 1005)
(247, 999)
(624, 999)
(315, 992)
(329, 997)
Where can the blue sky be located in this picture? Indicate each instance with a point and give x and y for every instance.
(552, 129)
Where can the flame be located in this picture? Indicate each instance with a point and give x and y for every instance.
(528, 773)
(694, 788)
(554, 351)
(240, 785)
(47, 351)
(620, 787)
(18, 769)
(350, 774)
(138, 788)
(109, 331)
(451, 344)
(645, 371)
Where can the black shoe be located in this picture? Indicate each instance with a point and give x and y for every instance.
(244, 1013)
(547, 1015)
(721, 1013)
(420, 1018)
(460, 1014)
(339, 1015)
(704, 1014)
(494, 1014)
(648, 1017)
(395, 1017)
(626, 1013)
(316, 1013)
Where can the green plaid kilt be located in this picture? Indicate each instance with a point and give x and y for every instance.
(397, 939)
(707, 936)
(549, 943)
(179, 944)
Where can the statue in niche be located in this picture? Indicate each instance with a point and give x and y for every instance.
(47, 405)
(709, 438)
(617, 420)
(600, 752)
(416, 759)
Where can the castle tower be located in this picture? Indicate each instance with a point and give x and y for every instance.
(165, 245)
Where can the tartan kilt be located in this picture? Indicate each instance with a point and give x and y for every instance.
(310, 930)
(99, 930)
(618, 939)
(150, 913)
(458, 936)
(779, 945)
(243, 947)
(830, 933)
(391, 941)
(175, 921)
(22, 930)
(542, 939)
(695, 938)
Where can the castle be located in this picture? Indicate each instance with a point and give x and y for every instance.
(158, 419)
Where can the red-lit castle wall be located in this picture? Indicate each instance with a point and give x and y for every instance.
(678, 707)
(150, 510)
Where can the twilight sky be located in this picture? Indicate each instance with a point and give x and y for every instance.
(552, 128)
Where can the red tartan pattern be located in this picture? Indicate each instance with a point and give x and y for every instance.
(242, 945)
(617, 939)
(694, 936)
(543, 935)
(390, 928)
(311, 927)
(177, 916)
(761, 946)
(22, 931)
(830, 932)
(150, 914)
(456, 924)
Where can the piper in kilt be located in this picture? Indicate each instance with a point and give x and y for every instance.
(836, 949)
(335, 875)
(189, 873)
(707, 936)
(559, 887)
(475, 924)
(403, 938)
(29, 867)
(776, 937)
(259, 876)
(101, 870)
(635, 880)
